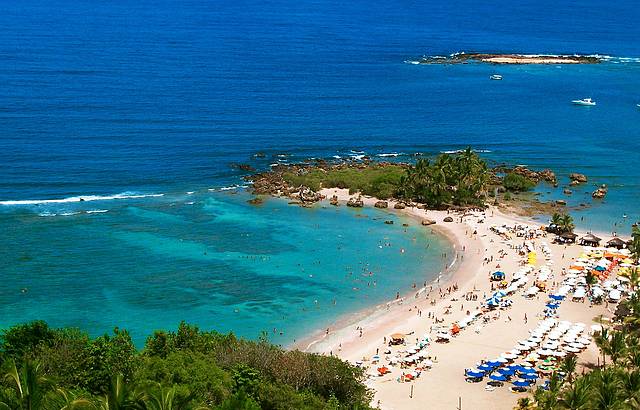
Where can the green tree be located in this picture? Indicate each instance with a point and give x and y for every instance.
(517, 183)
(29, 384)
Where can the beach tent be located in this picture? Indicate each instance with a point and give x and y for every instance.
(496, 276)
(396, 339)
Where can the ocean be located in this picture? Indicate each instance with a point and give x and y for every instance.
(131, 107)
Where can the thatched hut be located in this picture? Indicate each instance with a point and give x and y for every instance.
(616, 243)
(567, 237)
(590, 240)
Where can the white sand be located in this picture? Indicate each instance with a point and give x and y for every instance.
(443, 385)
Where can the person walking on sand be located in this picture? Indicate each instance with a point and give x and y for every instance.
(525, 318)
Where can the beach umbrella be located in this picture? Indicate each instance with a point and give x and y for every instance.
(521, 383)
(509, 356)
(472, 373)
(553, 305)
(583, 340)
(494, 363)
(507, 371)
(498, 377)
(528, 370)
(529, 376)
(556, 297)
(486, 368)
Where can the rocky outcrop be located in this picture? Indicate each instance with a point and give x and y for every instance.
(427, 222)
(355, 202)
(243, 167)
(545, 175)
(381, 204)
(600, 192)
(577, 178)
(421, 206)
(256, 201)
(567, 191)
(308, 195)
(389, 222)
(448, 219)
(399, 205)
(334, 200)
(561, 202)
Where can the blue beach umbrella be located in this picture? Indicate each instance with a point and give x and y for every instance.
(507, 371)
(600, 268)
(475, 374)
(498, 377)
(494, 363)
(553, 305)
(485, 368)
(556, 297)
(529, 376)
(521, 383)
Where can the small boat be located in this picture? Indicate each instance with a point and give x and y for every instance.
(585, 101)
(496, 77)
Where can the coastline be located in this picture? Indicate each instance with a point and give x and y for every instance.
(379, 315)
(359, 336)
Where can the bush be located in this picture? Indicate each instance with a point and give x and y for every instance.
(517, 183)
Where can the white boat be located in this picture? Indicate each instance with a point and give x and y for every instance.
(496, 77)
(585, 101)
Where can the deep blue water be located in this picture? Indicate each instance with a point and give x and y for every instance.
(162, 97)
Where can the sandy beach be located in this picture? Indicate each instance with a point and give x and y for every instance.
(479, 252)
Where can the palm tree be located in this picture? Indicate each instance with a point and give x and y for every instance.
(634, 278)
(630, 382)
(29, 384)
(121, 396)
(617, 346)
(577, 396)
(566, 223)
(158, 397)
(64, 400)
(602, 341)
(569, 365)
(635, 243)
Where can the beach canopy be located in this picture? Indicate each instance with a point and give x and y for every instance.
(494, 363)
(397, 336)
(472, 373)
(507, 371)
(486, 368)
(556, 297)
(521, 383)
(529, 376)
(498, 377)
(553, 305)
(528, 370)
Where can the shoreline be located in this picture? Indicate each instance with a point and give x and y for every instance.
(356, 337)
(389, 309)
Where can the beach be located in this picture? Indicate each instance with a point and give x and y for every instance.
(479, 252)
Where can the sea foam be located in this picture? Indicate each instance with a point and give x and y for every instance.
(87, 198)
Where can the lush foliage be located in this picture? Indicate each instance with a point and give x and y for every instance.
(459, 179)
(517, 183)
(561, 223)
(47, 368)
(635, 242)
(374, 180)
(615, 384)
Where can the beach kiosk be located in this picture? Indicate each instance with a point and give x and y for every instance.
(590, 240)
(567, 237)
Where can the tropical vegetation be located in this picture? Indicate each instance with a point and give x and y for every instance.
(613, 384)
(54, 369)
(561, 223)
(517, 183)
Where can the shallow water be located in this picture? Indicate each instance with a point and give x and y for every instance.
(101, 100)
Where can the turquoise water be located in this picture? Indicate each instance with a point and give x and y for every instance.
(111, 101)
(213, 260)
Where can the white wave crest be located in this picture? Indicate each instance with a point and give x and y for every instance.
(390, 154)
(87, 198)
(457, 151)
(97, 211)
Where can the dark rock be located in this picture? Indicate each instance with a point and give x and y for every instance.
(427, 222)
(389, 222)
(579, 178)
(399, 205)
(422, 206)
(405, 225)
(334, 200)
(381, 204)
(561, 202)
(355, 202)
(256, 201)
(567, 191)
(448, 219)
(600, 192)
(244, 167)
